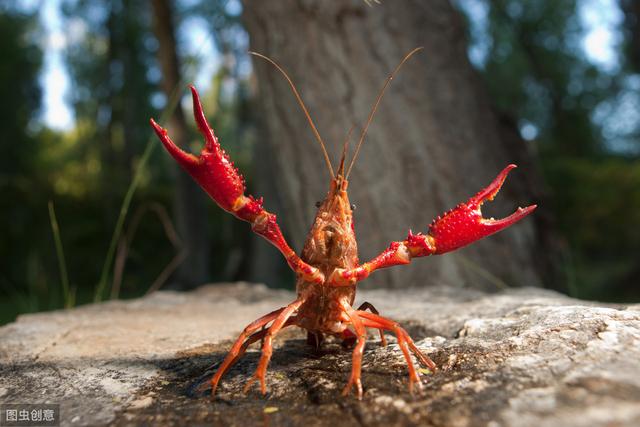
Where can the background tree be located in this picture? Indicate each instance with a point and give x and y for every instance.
(631, 46)
(434, 143)
(111, 96)
(189, 200)
(236, 127)
(21, 94)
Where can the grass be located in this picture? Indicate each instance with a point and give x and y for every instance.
(67, 295)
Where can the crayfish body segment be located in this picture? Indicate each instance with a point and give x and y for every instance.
(328, 269)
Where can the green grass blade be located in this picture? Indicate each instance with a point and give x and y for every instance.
(62, 264)
(126, 203)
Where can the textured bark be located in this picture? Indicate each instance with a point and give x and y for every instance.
(434, 143)
(266, 264)
(189, 202)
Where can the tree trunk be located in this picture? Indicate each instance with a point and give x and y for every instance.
(434, 142)
(189, 200)
(631, 10)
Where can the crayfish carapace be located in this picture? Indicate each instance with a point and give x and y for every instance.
(328, 269)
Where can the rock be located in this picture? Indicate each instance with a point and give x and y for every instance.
(522, 357)
(143, 402)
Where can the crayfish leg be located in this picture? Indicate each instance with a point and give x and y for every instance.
(405, 343)
(267, 347)
(356, 364)
(238, 347)
(253, 338)
(367, 305)
(315, 340)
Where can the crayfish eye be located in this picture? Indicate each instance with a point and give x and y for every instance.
(353, 207)
(318, 204)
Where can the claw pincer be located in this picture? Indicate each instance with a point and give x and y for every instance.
(464, 224)
(217, 175)
(213, 169)
(459, 227)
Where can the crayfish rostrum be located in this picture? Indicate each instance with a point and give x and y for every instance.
(328, 269)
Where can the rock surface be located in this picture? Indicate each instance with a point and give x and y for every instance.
(523, 357)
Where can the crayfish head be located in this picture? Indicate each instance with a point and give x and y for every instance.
(331, 242)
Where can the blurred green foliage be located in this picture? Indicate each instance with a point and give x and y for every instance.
(86, 171)
(20, 94)
(537, 73)
(599, 217)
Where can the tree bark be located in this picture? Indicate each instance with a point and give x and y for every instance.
(434, 142)
(189, 206)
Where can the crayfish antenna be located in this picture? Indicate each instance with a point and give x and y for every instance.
(345, 148)
(304, 108)
(375, 106)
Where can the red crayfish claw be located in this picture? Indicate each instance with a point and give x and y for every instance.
(216, 174)
(464, 224)
(212, 169)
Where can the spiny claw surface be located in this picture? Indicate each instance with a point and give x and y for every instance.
(464, 224)
(212, 169)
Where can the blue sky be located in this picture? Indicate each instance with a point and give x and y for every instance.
(54, 79)
(600, 17)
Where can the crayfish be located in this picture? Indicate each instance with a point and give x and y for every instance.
(328, 270)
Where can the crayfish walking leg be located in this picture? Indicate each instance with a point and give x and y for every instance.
(356, 364)
(349, 338)
(267, 346)
(238, 346)
(257, 336)
(367, 305)
(404, 342)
